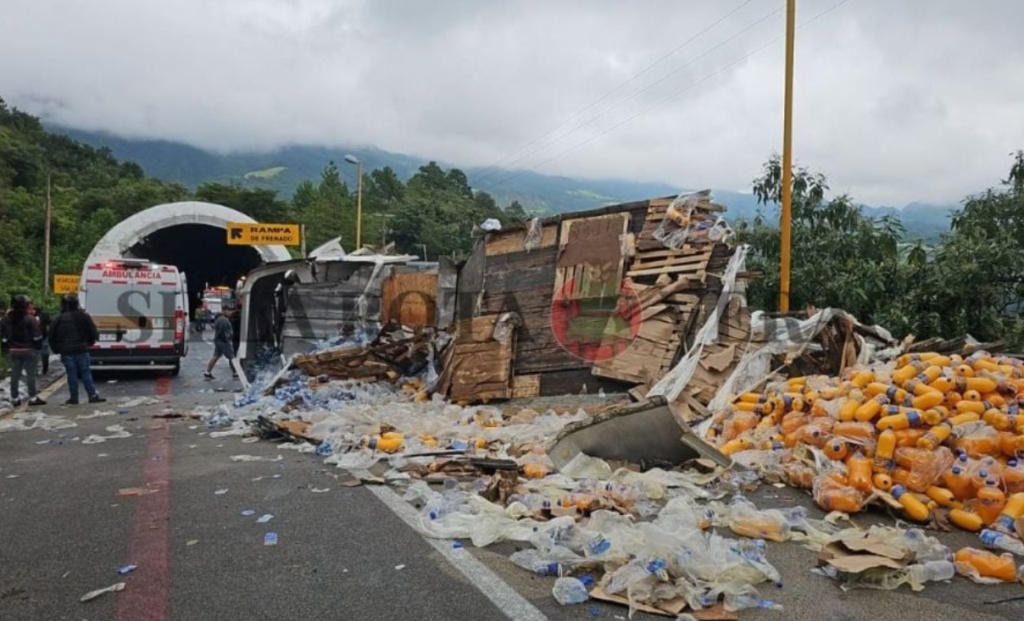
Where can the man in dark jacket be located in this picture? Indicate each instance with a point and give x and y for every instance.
(20, 340)
(72, 334)
(44, 327)
(223, 342)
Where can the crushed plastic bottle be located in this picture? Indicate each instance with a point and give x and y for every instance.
(531, 560)
(931, 571)
(569, 591)
(995, 540)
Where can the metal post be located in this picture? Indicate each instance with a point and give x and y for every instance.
(787, 164)
(302, 240)
(359, 208)
(46, 245)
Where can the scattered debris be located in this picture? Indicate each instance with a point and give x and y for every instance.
(221, 491)
(252, 458)
(263, 519)
(136, 491)
(91, 595)
(399, 567)
(127, 569)
(270, 539)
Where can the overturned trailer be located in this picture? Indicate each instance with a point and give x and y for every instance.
(609, 299)
(293, 306)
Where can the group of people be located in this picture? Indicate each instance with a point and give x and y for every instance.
(27, 336)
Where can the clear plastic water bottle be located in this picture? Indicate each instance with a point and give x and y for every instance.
(995, 540)
(569, 591)
(931, 571)
(743, 602)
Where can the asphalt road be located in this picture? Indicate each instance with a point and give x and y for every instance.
(341, 554)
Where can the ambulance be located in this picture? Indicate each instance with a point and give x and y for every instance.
(141, 311)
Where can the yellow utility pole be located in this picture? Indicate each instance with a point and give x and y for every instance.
(787, 164)
(351, 159)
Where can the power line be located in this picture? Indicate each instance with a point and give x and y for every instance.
(494, 166)
(643, 90)
(670, 97)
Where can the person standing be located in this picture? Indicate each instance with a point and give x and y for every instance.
(44, 326)
(72, 334)
(223, 342)
(20, 340)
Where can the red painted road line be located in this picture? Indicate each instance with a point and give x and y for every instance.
(145, 596)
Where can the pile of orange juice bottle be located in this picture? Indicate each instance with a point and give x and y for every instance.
(934, 432)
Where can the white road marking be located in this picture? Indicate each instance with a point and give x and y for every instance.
(514, 605)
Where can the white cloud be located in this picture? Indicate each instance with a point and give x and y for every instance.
(914, 100)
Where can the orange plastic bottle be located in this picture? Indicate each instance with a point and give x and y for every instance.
(1013, 477)
(882, 481)
(943, 384)
(935, 436)
(967, 520)
(902, 420)
(870, 408)
(980, 384)
(1011, 444)
(849, 408)
(1012, 512)
(735, 446)
(738, 423)
(793, 421)
(912, 507)
(835, 449)
(991, 501)
(959, 482)
(905, 373)
(884, 451)
(862, 378)
(941, 495)
(909, 437)
(987, 564)
(966, 406)
(832, 496)
(859, 472)
(854, 430)
(928, 400)
(900, 476)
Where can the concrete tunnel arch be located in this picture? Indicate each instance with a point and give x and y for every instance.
(190, 235)
(119, 241)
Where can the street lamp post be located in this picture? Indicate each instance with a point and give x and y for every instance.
(351, 159)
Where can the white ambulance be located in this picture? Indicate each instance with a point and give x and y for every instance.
(141, 311)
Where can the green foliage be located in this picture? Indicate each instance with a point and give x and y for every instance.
(971, 283)
(974, 281)
(840, 257)
(440, 211)
(90, 192)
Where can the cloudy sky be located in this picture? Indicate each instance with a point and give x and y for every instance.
(895, 101)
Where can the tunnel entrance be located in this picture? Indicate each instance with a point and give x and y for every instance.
(201, 252)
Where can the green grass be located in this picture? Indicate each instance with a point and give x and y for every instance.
(268, 173)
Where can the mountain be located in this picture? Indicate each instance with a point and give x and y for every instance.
(283, 169)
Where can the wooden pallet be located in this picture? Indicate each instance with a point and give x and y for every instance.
(685, 264)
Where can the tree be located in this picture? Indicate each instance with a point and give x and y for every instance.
(515, 212)
(973, 283)
(327, 209)
(841, 257)
(260, 204)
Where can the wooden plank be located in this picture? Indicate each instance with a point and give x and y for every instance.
(507, 242)
(684, 269)
(695, 260)
(685, 251)
(526, 386)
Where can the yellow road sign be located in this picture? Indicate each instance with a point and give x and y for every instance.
(261, 234)
(65, 283)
